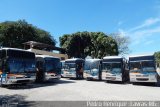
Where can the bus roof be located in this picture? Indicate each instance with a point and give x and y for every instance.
(112, 57)
(93, 60)
(46, 56)
(17, 49)
(63, 61)
(74, 59)
(141, 55)
(142, 58)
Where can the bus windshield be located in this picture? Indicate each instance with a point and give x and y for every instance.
(30, 65)
(95, 65)
(87, 65)
(135, 66)
(148, 66)
(52, 64)
(20, 65)
(15, 65)
(142, 66)
(91, 65)
(71, 67)
(116, 67)
(112, 67)
(107, 67)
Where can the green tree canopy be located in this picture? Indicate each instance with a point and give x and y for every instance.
(14, 33)
(157, 56)
(94, 44)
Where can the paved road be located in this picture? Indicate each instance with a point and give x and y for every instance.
(82, 90)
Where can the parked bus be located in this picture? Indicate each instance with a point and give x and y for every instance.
(114, 69)
(92, 69)
(17, 66)
(143, 69)
(48, 68)
(74, 68)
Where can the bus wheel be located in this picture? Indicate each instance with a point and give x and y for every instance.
(77, 76)
(88, 79)
(82, 76)
(134, 83)
(99, 78)
(2, 85)
(157, 84)
(158, 81)
(107, 81)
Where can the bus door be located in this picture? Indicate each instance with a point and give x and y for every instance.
(79, 70)
(3, 71)
(40, 71)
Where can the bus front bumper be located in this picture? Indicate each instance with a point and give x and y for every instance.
(91, 77)
(143, 78)
(69, 75)
(114, 78)
(19, 81)
(52, 77)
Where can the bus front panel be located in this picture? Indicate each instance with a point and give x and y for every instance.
(17, 67)
(112, 71)
(92, 70)
(143, 71)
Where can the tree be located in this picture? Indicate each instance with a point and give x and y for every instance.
(14, 33)
(157, 56)
(122, 42)
(95, 44)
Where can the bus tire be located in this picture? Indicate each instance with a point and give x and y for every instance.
(100, 78)
(2, 85)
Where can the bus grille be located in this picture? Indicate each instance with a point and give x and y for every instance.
(142, 79)
(23, 81)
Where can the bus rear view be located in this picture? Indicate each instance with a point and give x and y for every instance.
(16, 66)
(142, 69)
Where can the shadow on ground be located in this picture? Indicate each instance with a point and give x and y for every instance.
(15, 101)
(147, 84)
(117, 82)
(37, 85)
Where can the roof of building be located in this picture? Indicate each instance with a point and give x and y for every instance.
(42, 45)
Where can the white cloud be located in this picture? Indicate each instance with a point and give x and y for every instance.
(140, 36)
(146, 23)
(122, 32)
(142, 32)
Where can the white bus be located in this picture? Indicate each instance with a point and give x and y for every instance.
(114, 69)
(143, 69)
(17, 66)
(92, 69)
(73, 68)
(48, 68)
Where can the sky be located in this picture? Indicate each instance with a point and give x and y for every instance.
(137, 19)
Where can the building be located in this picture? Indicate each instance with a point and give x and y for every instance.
(44, 49)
